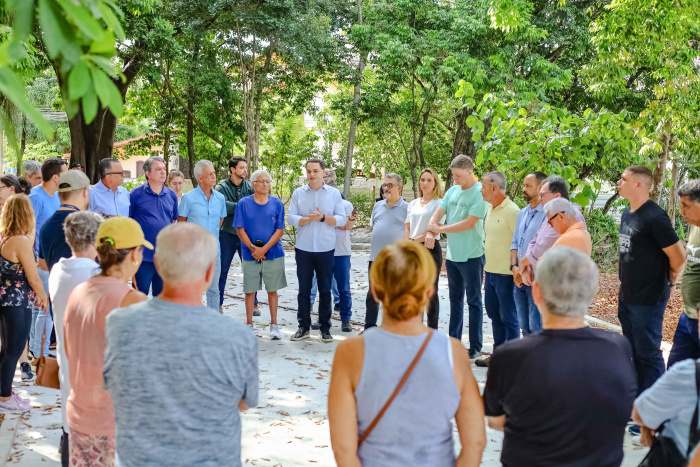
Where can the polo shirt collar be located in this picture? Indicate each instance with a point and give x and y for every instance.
(323, 187)
(398, 203)
(502, 205)
(150, 191)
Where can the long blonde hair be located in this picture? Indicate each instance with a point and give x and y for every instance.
(403, 275)
(17, 216)
(437, 190)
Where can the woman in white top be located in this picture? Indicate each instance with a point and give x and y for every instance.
(419, 212)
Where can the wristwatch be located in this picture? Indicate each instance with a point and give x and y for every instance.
(323, 219)
(511, 267)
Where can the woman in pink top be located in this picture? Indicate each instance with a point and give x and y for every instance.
(89, 410)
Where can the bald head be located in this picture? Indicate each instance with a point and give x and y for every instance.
(184, 252)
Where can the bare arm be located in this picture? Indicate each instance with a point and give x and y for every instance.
(497, 423)
(461, 226)
(181, 219)
(42, 264)
(242, 406)
(437, 215)
(470, 413)
(273, 240)
(342, 408)
(407, 231)
(676, 256)
(25, 255)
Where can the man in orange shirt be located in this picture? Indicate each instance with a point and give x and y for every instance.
(561, 215)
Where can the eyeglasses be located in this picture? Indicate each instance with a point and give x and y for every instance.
(552, 218)
(389, 186)
(545, 193)
(117, 173)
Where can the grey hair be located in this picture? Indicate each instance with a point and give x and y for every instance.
(31, 167)
(184, 252)
(397, 177)
(258, 173)
(568, 280)
(81, 230)
(149, 162)
(497, 179)
(562, 205)
(462, 162)
(199, 167)
(691, 189)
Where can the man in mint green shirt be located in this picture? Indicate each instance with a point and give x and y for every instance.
(464, 209)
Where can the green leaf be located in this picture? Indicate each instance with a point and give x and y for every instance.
(78, 81)
(476, 137)
(111, 20)
(103, 63)
(471, 121)
(89, 106)
(522, 112)
(469, 103)
(83, 19)
(51, 27)
(581, 200)
(104, 45)
(12, 88)
(107, 92)
(23, 12)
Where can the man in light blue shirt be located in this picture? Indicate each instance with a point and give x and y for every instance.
(316, 209)
(529, 222)
(206, 207)
(109, 197)
(45, 202)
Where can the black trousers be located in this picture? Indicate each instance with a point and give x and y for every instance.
(371, 305)
(15, 323)
(434, 305)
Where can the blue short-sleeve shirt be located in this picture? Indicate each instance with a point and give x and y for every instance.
(107, 202)
(153, 211)
(260, 222)
(208, 213)
(44, 207)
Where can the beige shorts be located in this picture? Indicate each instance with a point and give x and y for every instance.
(269, 271)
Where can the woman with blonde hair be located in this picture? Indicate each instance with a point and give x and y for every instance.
(396, 388)
(89, 410)
(20, 287)
(175, 182)
(420, 210)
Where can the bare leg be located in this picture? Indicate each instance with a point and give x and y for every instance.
(272, 299)
(249, 305)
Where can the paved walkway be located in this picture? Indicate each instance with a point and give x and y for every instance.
(290, 426)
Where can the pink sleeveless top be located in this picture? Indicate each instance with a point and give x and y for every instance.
(89, 409)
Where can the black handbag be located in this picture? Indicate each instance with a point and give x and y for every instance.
(664, 452)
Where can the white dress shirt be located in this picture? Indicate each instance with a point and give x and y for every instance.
(316, 237)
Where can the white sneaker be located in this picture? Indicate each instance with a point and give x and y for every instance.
(275, 333)
(256, 311)
(13, 405)
(250, 326)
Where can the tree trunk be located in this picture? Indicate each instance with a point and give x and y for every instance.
(166, 148)
(353, 123)
(190, 140)
(673, 193)
(462, 142)
(610, 202)
(92, 142)
(22, 145)
(660, 169)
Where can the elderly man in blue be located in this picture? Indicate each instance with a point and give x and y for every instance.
(109, 197)
(206, 207)
(154, 207)
(316, 209)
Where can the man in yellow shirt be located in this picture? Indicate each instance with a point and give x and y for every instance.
(498, 286)
(561, 215)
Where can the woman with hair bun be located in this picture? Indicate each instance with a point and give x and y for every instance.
(10, 185)
(396, 388)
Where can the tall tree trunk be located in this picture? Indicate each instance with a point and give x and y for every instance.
(92, 142)
(22, 145)
(660, 169)
(673, 192)
(462, 142)
(166, 148)
(353, 123)
(610, 202)
(190, 139)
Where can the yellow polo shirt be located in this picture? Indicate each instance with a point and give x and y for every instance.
(577, 237)
(498, 228)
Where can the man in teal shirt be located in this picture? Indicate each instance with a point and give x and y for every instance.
(464, 208)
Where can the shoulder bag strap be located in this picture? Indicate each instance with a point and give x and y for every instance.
(694, 435)
(396, 391)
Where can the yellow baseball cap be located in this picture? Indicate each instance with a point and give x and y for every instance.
(122, 232)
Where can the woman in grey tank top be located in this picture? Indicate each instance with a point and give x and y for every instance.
(416, 429)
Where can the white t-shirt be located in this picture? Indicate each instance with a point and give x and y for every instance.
(342, 237)
(419, 216)
(66, 275)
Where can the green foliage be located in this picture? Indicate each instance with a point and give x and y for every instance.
(363, 201)
(604, 237)
(133, 183)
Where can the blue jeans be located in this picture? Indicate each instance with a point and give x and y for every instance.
(230, 245)
(641, 325)
(308, 264)
(342, 296)
(686, 342)
(39, 317)
(500, 306)
(529, 316)
(213, 290)
(466, 276)
(148, 279)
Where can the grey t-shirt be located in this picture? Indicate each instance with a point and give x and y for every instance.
(388, 224)
(176, 374)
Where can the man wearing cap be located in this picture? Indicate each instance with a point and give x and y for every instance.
(109, 197)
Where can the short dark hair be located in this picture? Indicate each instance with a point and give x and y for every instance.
(75, 165)
(557, 184)
(21, 185)
(106, 166)
(643, 172)
(50, 167)
(233, 163)
(692, 190)
(539, 176)
(316, 160)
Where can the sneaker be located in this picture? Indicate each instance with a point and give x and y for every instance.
(13, 405)
(473, 355)
(27, 374)
(301, 334)
(221, 310)
(634, 430)
(275, 332)
(250, 326)
(23, 403)
(316, 326)
(326, 336)
(336, 307)
(483, 362)
(345, 326)
(52, 346)
(256, 311)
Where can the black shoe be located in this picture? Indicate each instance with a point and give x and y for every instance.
(316, 326)
(326, 336)
(345, 326)
(336, 307)
(302, 333)
(474, 354)
(483, 362)
(27, 374)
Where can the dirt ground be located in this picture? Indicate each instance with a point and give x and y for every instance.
(605, 305)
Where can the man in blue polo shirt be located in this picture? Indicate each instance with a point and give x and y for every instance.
(109, 197)
(154, 206)
(206, 207)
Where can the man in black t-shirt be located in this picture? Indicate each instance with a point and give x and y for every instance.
(563, 395)
(651, 262)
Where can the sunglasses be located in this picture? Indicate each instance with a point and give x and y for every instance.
(549, 220)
